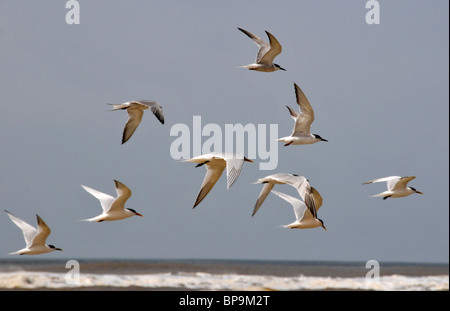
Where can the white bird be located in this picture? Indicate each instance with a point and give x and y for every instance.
(267, 52)
(270, 181)
(397, 187)
(306, 216)
(113, 208)
(301, 133)
(135, 111)
(215, 165)
(309, 195)
(34, 239)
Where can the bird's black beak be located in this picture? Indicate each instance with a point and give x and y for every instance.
(248, 160)
(323, 139)
(58, 249)
(282, 69)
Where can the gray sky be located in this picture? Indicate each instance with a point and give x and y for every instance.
(368, 85)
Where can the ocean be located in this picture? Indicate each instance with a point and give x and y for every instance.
(217, 275)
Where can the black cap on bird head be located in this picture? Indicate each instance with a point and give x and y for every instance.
(320, 138)
(279, 67)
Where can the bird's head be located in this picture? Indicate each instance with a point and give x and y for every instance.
(416, 191)
(54, 248)
(134, 212)
(279, 67)
(317, 136)
(321, 222)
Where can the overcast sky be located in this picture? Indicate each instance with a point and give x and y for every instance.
(380, 95)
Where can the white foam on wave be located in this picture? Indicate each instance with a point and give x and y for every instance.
(207, 281)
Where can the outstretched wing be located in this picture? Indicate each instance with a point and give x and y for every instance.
(134, 119)
(306, 117)
(299, 206)
(155, 107)
(213, 173)
(42, 233)
(105, 199)
(317, 198)
(123, 194)
(402, 183)
(262, 196)
(234, 167)
(390, 181)
(28, 231)
(263, 46)
(272, 52)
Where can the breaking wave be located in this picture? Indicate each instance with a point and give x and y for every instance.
(208, 281)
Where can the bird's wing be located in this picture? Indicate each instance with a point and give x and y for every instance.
(43, 231)
(290, 179)
(310, 196)
(298, 205)
(263, 46)
(123, 194)
(293, 180)
(391, 181)
(306, 117)
(402, 182)
(266, 179)
(155, 107)
(234, 167)
(294, 114)
(317, 198)
(120, 106)
(272, 52)
(300, 183)
(213, 173)
(28, 231)
(105, 199)
(379, 180)
(134, 119)
(311, 204)
(262, 196)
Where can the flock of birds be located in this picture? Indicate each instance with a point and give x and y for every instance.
(305, 209)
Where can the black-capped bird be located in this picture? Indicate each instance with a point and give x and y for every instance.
(301, 134)
(215, 164)
(266, 54)
(135, 111)
(34, 238)
(113, 208)
(305, 216)
(397, 187)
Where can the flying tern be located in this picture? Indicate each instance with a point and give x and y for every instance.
(135, 111)
(306, 216)
(310, 196)
(267, 52)
(113, 208)
(301, 134)
(34, 239)
(270, 181)
(397, 187)
(215, 164)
